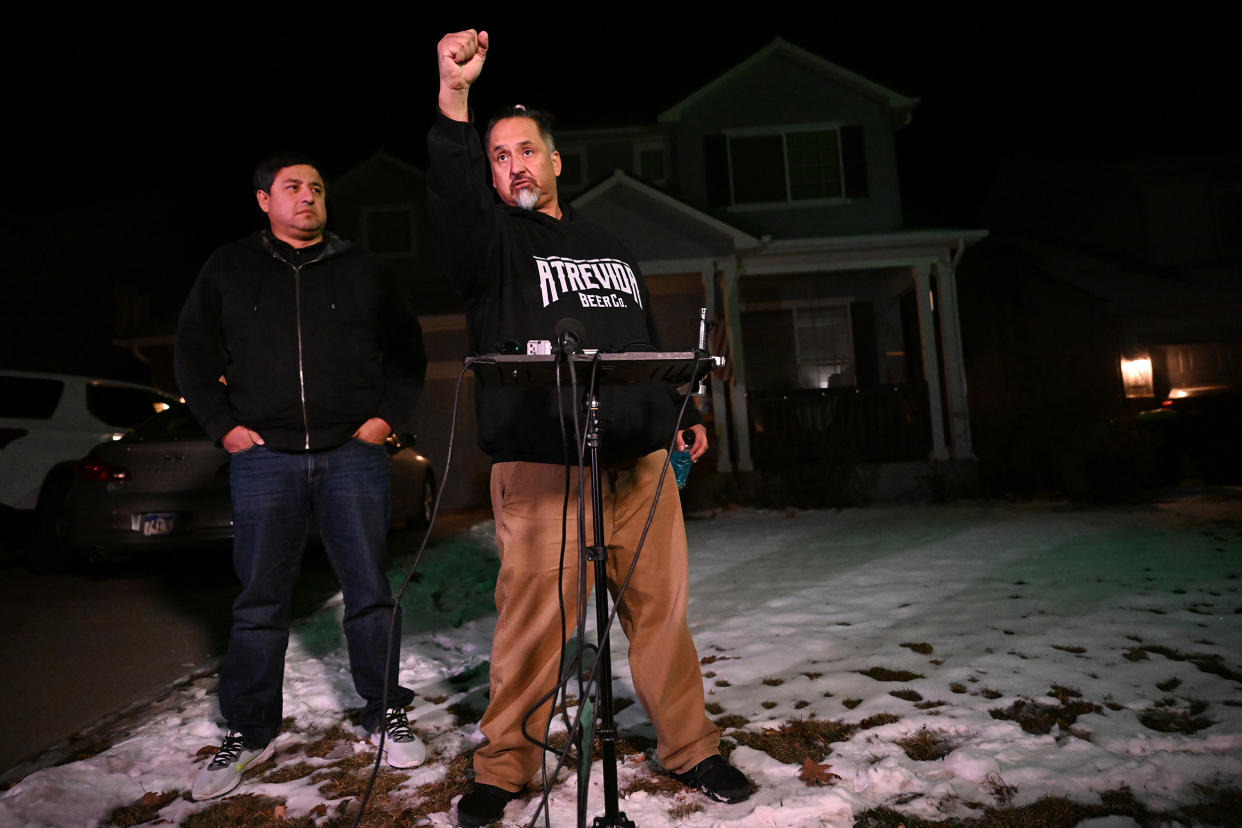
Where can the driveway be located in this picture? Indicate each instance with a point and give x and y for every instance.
(79, 648)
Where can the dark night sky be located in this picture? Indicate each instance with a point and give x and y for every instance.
(134, 138)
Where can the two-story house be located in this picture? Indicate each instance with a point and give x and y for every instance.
(770, 196)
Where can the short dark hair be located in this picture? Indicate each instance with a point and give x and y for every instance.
(542, 118)
(265, 171)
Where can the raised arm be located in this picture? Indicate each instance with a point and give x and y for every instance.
(461, 57)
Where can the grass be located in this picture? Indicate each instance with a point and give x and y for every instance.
(245, 811)
(144, 810)
(1218, 807)
(928, 745)
(1039, 719)
(798, 739)
(885, 674)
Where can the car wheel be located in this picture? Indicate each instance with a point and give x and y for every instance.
(426, 504)
(49, 553)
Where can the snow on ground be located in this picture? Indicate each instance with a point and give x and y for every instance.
(1130, 618)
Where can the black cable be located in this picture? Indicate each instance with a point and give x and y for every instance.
(574, 666)
(396, 607)
(591, 688)
(604, 634)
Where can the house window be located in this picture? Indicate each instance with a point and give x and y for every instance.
(389, 230)
(651, 161)
(798, 346)
(786, 165)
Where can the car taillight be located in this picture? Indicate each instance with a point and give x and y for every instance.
(97, 471)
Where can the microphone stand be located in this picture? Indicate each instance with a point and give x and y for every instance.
(535, 369)
(597, 553)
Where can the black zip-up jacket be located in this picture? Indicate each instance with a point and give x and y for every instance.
(310, 342)
(518, 273)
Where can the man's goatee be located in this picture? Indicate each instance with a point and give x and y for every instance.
(527, 198)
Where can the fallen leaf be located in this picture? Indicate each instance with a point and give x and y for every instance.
(319, 810)
(279, 812)
(151, 799)
(815, 775)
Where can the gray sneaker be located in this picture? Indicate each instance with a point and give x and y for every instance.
(402, 748)
(224, 771)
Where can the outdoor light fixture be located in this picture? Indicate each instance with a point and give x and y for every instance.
(1136, 377)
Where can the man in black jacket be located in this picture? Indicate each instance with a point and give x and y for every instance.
(519, 267)
(296, 360)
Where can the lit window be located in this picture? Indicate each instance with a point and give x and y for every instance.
(1136, 377)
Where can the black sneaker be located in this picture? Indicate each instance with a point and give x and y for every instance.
(482, 805)
(716, 778)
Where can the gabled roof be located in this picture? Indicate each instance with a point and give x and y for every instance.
(653, 224)
(900, 107)
(377, 161)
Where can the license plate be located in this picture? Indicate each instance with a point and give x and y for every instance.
(159, 523)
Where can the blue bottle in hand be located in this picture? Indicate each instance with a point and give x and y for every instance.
(681, 461)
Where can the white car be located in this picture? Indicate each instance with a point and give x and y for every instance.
(47, 419)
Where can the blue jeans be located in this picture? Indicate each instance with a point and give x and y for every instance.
(274, 495)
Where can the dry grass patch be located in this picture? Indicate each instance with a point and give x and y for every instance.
(928, 745)
(878, 720)
(1205, 662)
(290, 772)
(906, 694)
(245, 811)
(326, 743)
(1059, 812)
(798, 739)
(885, 674)
(684, 808)
(653, 783)
(349, 777)
(922, 647)
(1165, 719)
(1039, 719)
(732, 720)
(144, 810)
(437, 797)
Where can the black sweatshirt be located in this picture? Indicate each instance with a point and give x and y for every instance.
(520, 272)
(310, 342)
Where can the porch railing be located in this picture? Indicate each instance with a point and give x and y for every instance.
(839, 425)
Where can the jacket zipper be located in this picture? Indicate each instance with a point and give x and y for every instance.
(297, 306)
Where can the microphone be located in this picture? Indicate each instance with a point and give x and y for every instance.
(570, 334)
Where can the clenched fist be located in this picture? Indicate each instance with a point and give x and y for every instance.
(461, 57)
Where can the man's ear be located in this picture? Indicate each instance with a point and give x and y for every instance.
(556, 163)
(263, 199)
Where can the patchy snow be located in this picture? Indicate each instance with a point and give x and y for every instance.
(1131, 617)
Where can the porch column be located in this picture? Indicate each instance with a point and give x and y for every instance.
(720, 409)
(954, 362)
(737, 389)
(931, 364)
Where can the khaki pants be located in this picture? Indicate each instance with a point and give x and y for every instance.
(527, 500)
